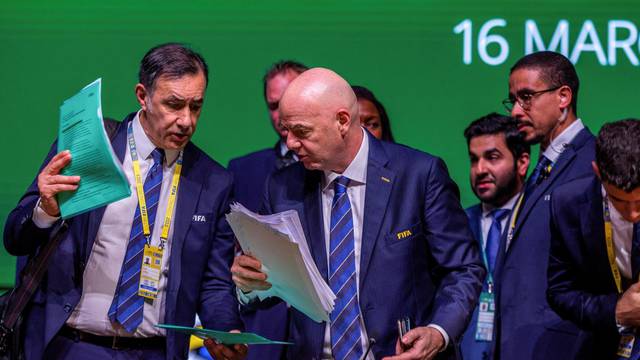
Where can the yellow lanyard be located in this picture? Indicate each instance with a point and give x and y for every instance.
(514, 217)
(140, 190)
(611, 252)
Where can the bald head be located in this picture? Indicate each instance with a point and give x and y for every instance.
(320, 112)
(322, 91)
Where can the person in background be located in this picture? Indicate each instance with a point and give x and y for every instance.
(373, 115)
(543, 97)
(250, 172)
(499, 159)
(595, 247)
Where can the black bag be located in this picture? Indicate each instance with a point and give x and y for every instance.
(10, 348)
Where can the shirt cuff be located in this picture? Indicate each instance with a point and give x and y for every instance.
(41, 218)
(246, 298)
(444, 334)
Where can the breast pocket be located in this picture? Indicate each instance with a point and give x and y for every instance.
(404, 234)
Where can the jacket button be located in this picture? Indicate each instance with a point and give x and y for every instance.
(67, 308)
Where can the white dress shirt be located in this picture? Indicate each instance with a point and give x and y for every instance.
(102, 271)
(487, 220)
(557, 145)
(622, 239)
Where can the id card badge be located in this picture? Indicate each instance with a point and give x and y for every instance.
(150, 272)
(486, 314)
(629, 347)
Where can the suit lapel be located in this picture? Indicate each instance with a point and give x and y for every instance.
(188, 195)
(378, 190)
(314, 219)
(563, 161)
(119, 148)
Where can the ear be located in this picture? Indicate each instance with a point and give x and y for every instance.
(344, 121)
(596, 169)
(141, 96)
(522, 165)
(566, 96)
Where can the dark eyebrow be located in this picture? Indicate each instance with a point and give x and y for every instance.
(491, 151)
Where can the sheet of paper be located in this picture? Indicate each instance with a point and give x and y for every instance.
(224, 337)
(81, 131)
(286, 260)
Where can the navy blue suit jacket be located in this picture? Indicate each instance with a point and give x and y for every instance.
(526, 327)
(433, 275)
(581, 285)
(250, 173)
(199, 270)
(470, 348)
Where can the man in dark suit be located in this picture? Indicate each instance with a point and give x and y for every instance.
(499, 160)
(543, 95)
(595, 219)
(250, 173)
(384, 227)
(88, 305)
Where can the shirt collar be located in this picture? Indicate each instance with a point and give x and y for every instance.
(144, 146)
(486, 208)
(558, 144)
(357, 169)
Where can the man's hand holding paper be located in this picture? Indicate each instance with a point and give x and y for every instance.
(50, 182)
(246, 274)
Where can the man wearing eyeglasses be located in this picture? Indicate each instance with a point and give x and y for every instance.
(543, 97)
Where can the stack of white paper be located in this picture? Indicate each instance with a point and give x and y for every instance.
(278, 241)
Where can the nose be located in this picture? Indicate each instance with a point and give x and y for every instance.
(517, 111)
(185, 118)
(291, 142)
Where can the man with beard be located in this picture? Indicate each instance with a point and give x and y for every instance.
(499, 160)
(543, 97)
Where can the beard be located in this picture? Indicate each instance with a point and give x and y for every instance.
(504, 190)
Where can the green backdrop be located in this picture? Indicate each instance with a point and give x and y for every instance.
(436, 65)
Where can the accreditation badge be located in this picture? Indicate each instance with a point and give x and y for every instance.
(150, 272)
(486, 315)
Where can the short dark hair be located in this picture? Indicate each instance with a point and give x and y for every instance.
(281, 67)
(364, 93)
(173, 60)
(494, 124)
(555, 70)
(618, 154)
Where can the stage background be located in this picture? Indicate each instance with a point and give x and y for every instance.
(407, 52)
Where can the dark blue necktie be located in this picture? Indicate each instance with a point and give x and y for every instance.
(540, 172)
(345, 317)
(127, 305)
(494, 235)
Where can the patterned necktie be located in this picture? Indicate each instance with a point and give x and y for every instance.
(127, 305)
(540, 172)
(494, 235)
(285, 160)
(345, 317)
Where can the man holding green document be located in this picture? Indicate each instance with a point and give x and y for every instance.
(114, 276)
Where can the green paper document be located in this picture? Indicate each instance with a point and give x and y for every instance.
(81, 131)
(224, 337)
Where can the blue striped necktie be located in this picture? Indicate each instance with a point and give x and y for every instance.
(127, 305)
(493, 236)
(345, 317)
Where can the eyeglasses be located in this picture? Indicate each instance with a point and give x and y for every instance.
(524, 98)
